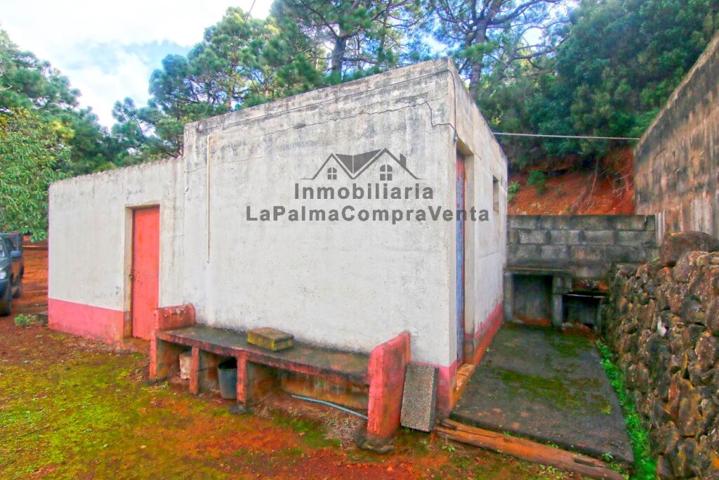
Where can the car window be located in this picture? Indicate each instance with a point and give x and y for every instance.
(2, 248)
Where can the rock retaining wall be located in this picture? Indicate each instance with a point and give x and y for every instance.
(663, 323)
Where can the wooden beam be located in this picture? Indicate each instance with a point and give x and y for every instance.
(526, 450)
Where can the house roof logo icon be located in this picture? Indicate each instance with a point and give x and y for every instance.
(356, 165)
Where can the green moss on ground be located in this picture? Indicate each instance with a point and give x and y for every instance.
(71, 410)
(557, 390)
(644, 464)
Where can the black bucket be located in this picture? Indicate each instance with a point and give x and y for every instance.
(227, 378)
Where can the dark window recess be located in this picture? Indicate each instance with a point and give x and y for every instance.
(581, 308)
(495, 194)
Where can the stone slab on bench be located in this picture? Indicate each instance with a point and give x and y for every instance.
(270, 338)
(302, 358)
(420, 397)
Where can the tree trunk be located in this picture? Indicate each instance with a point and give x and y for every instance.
(475, 76)
(338, 55)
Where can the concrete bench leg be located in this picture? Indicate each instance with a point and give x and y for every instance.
(387, 366)
(243, 394)
(254, 381)
(164, 358)
(203, 371)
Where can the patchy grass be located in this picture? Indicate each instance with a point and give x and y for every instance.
(512, 191)
(25, 320)
(70, 409)
(644, 464)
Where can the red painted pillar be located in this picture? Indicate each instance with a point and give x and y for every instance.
(242, 380)
(195, 371)
(153, 357)
(161, 354)
(387, 366)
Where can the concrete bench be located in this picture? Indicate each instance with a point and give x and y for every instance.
(382, 370)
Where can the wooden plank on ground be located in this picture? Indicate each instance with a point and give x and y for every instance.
(526, 450)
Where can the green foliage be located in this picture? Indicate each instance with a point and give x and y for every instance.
(644, 464)
(30, 149)
(602, 67)
(33, 85)
(616, 66)
(488, 38)
(25, 320)
(362, 34)
(240, 62)
(512, 190)
(538, 180)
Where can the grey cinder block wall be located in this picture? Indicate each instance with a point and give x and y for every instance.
(585, 246)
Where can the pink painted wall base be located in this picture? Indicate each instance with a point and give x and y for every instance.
(99, 323)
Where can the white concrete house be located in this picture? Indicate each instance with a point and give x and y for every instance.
(331, 215)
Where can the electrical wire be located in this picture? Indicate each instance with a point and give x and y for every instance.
(329, 404)
(583, 137)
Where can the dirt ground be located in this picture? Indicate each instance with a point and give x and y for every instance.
(579, 192)
(71, 408)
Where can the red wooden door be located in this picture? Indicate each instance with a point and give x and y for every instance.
(145, 269)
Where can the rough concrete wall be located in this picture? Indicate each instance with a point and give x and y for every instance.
(584, 245)
(485, 263)
(90, 232)
(663, 323)
(677, 159)
(347, 284)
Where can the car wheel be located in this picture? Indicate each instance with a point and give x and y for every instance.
(18, 291)
(6, 303)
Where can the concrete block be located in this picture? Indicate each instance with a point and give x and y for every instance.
(557, 222)
(561, 284)
(593, 222)
(565, 237)
(555, 253)
(523, 253)
(599, 237)
(522, 221)
(270, 339)
(591, 271)
(640, 238)
(625, 254)
(508, 295)
(586, 253)
(633, 222)
(536, 237)
(420, 397)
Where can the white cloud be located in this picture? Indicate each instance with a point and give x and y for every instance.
(108, 48)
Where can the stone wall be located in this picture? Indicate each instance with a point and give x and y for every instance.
(584, 245)
(663, 323)
(677, 158)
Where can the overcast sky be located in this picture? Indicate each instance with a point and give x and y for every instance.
(108, 49)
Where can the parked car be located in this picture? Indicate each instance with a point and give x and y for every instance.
(12, 269)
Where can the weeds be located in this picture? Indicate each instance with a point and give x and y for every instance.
(538, 180)
(644, 464)
(25, 320)
(512, 191)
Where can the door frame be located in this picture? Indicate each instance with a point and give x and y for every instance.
(127, 263)
(470, 232)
